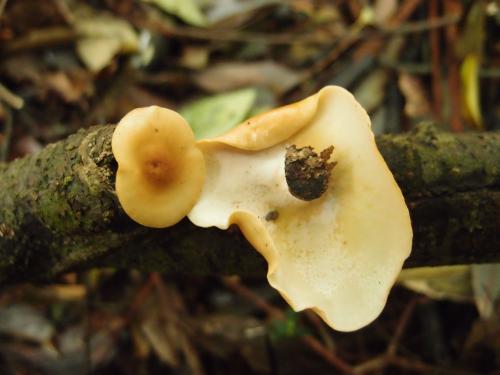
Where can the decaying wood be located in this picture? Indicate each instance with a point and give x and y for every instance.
(58, 210)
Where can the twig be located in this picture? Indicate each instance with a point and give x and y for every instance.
(64, 11)
(414, 365)
(400, 328)
(320, 327)
(51, 36)
(7, 134)
(10, 98)
(451, 35)
(139, 299)
(273, 312)
(391, 358)
(3, 3)
(89, 298)
(327, 355)
(234, 36)
(233, 284)
(405, 10)
(354, 34)
(420, 26)
(172, 308)
(419, 366)
(383, 360)
(372, 364)
(426, 69)
(374, 45)
(436, 62)
(312, 38)
(337, 50)
(163, 292)
(355, 8)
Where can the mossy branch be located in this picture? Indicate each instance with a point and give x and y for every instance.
(58, 210)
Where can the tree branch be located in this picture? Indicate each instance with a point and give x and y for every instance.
(58, 210)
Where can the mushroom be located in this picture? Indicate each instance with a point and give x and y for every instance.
(338, 251)
(161, 171)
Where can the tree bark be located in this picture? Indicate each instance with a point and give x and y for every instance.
(58, 210)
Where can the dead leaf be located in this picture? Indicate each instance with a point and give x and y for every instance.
(102, 36)
(486, 286)
(224, 334)
(10, 98)
(445, 282)
(26, 145)
(141, 342)
(195, 57)
(417, 105)
(371, 91)
(72, 344)
(71, 91)
(378, 119)
(117, 103)
(232, 13)
(484, 333)
(25, 322)
(161, 323)
(163, 343)
(231, 76)
(383, 10)
(187, 10)
(62, 292)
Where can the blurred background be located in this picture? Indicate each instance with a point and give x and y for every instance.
(68, 64)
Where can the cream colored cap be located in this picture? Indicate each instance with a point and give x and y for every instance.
(339, 254)
(160, 169)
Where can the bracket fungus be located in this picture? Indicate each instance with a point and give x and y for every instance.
(337, 252)
(161, 171)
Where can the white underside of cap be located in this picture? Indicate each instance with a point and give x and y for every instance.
(339, 254)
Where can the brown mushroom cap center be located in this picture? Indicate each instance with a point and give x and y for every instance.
(159, 169)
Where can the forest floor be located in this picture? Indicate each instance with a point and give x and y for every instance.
(68, 64)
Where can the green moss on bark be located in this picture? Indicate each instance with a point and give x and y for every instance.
(58, 210)
(429, 162)
(59, 202)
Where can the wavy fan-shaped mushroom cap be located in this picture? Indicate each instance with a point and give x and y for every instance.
(338, 254)
(160, 169)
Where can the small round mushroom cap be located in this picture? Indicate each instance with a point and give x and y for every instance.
(161, 171)
(338, 254)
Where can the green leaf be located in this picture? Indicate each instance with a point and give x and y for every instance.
(286, 328)
(187, 10)
(214, 115)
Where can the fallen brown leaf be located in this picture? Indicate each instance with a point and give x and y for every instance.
(230, 76)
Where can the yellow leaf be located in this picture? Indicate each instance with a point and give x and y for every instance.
(469, 72)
